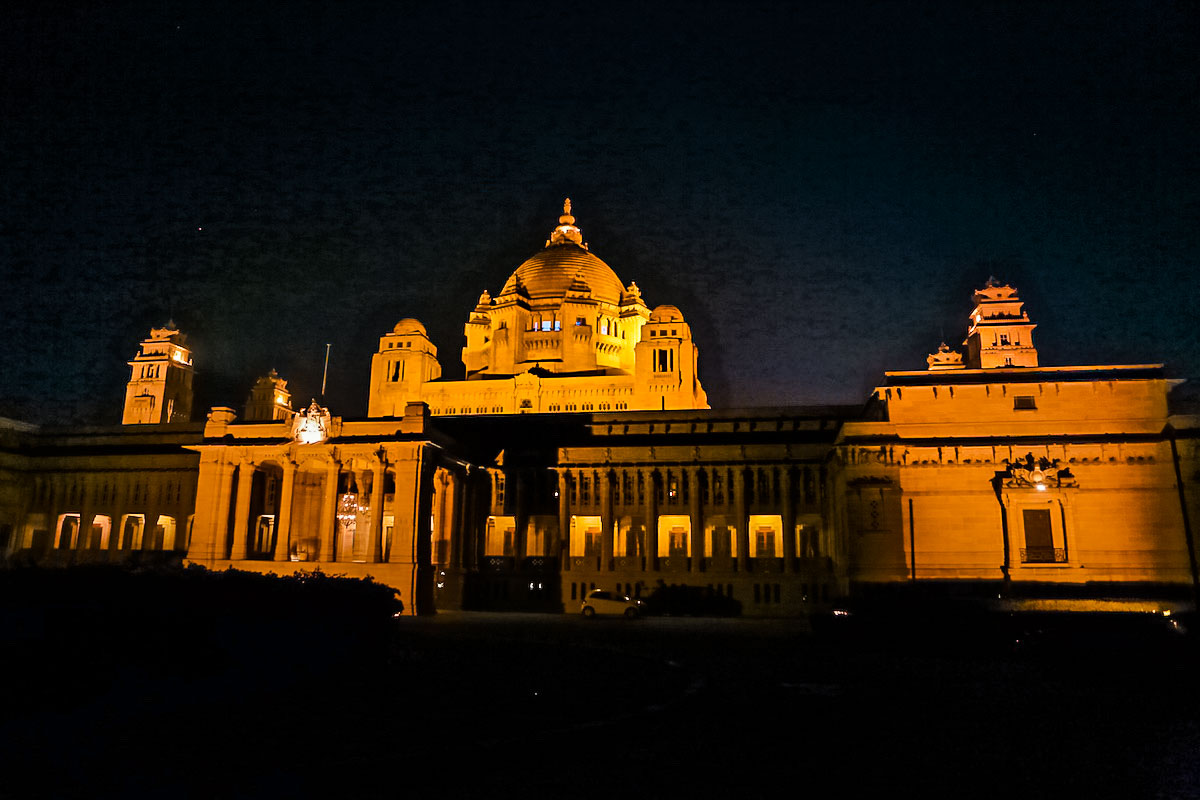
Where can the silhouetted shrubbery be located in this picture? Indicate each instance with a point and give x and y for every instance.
(165, 591)
(88, 630)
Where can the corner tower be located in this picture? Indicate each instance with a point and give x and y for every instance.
(1000, 333)
(406, 360)
(160, 385)
(666, 364)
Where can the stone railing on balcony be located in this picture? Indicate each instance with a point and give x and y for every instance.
(1043, 555)
(628, 563)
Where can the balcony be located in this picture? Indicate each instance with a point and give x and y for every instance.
(674, 563)
(496, 564)
(767, 565)
(628, 563)
(1043, 555)
(584, 563)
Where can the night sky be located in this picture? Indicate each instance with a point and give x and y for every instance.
(818, 186)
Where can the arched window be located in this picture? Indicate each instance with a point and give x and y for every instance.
(131, 532)
(68, 526)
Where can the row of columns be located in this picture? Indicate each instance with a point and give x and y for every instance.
(792, 478)
(88, 506)
(241, 496)
(695, 513)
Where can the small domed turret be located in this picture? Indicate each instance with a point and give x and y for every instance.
(666, 313)
(409, 326)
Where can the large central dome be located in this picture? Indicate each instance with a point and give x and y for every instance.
(564, 262)
(551, 272)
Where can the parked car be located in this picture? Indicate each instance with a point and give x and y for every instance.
(599, 601)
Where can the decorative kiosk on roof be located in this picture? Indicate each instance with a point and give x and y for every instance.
(999, 334)
(269, 399)
(563, 334)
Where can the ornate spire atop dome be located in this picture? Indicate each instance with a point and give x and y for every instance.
(566, 232)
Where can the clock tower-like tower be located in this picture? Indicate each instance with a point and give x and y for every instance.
(1000, 333)
(160, 385)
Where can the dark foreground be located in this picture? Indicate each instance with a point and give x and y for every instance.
(231, 702)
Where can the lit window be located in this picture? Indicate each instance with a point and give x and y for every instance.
(664, 360)
(764, 542)
(1040, 545)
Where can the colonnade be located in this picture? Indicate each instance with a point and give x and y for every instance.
(681, 489)
(84, 499)
(231, 483)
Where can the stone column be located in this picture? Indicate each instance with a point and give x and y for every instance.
(520, 512)
(564, 519)
(83, 537)
(223, 487)
(651, 522)
(442, 511)
(187, 500)
(241, 514)
(697, 517)
(327, 529)
(604, 490)
(450, 513)
(115, 509)
(423, 597)
(53, 509)
(283, 528)
(150, 498)
(375, 530)
(484, 487)
(458, 531)
(789, 521)
(743, 534)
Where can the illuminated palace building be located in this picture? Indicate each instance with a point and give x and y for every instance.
(579, 451)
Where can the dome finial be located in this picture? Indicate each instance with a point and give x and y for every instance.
(566, 232)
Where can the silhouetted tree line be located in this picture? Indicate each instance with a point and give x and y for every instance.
(684, 600)
(90, 630)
